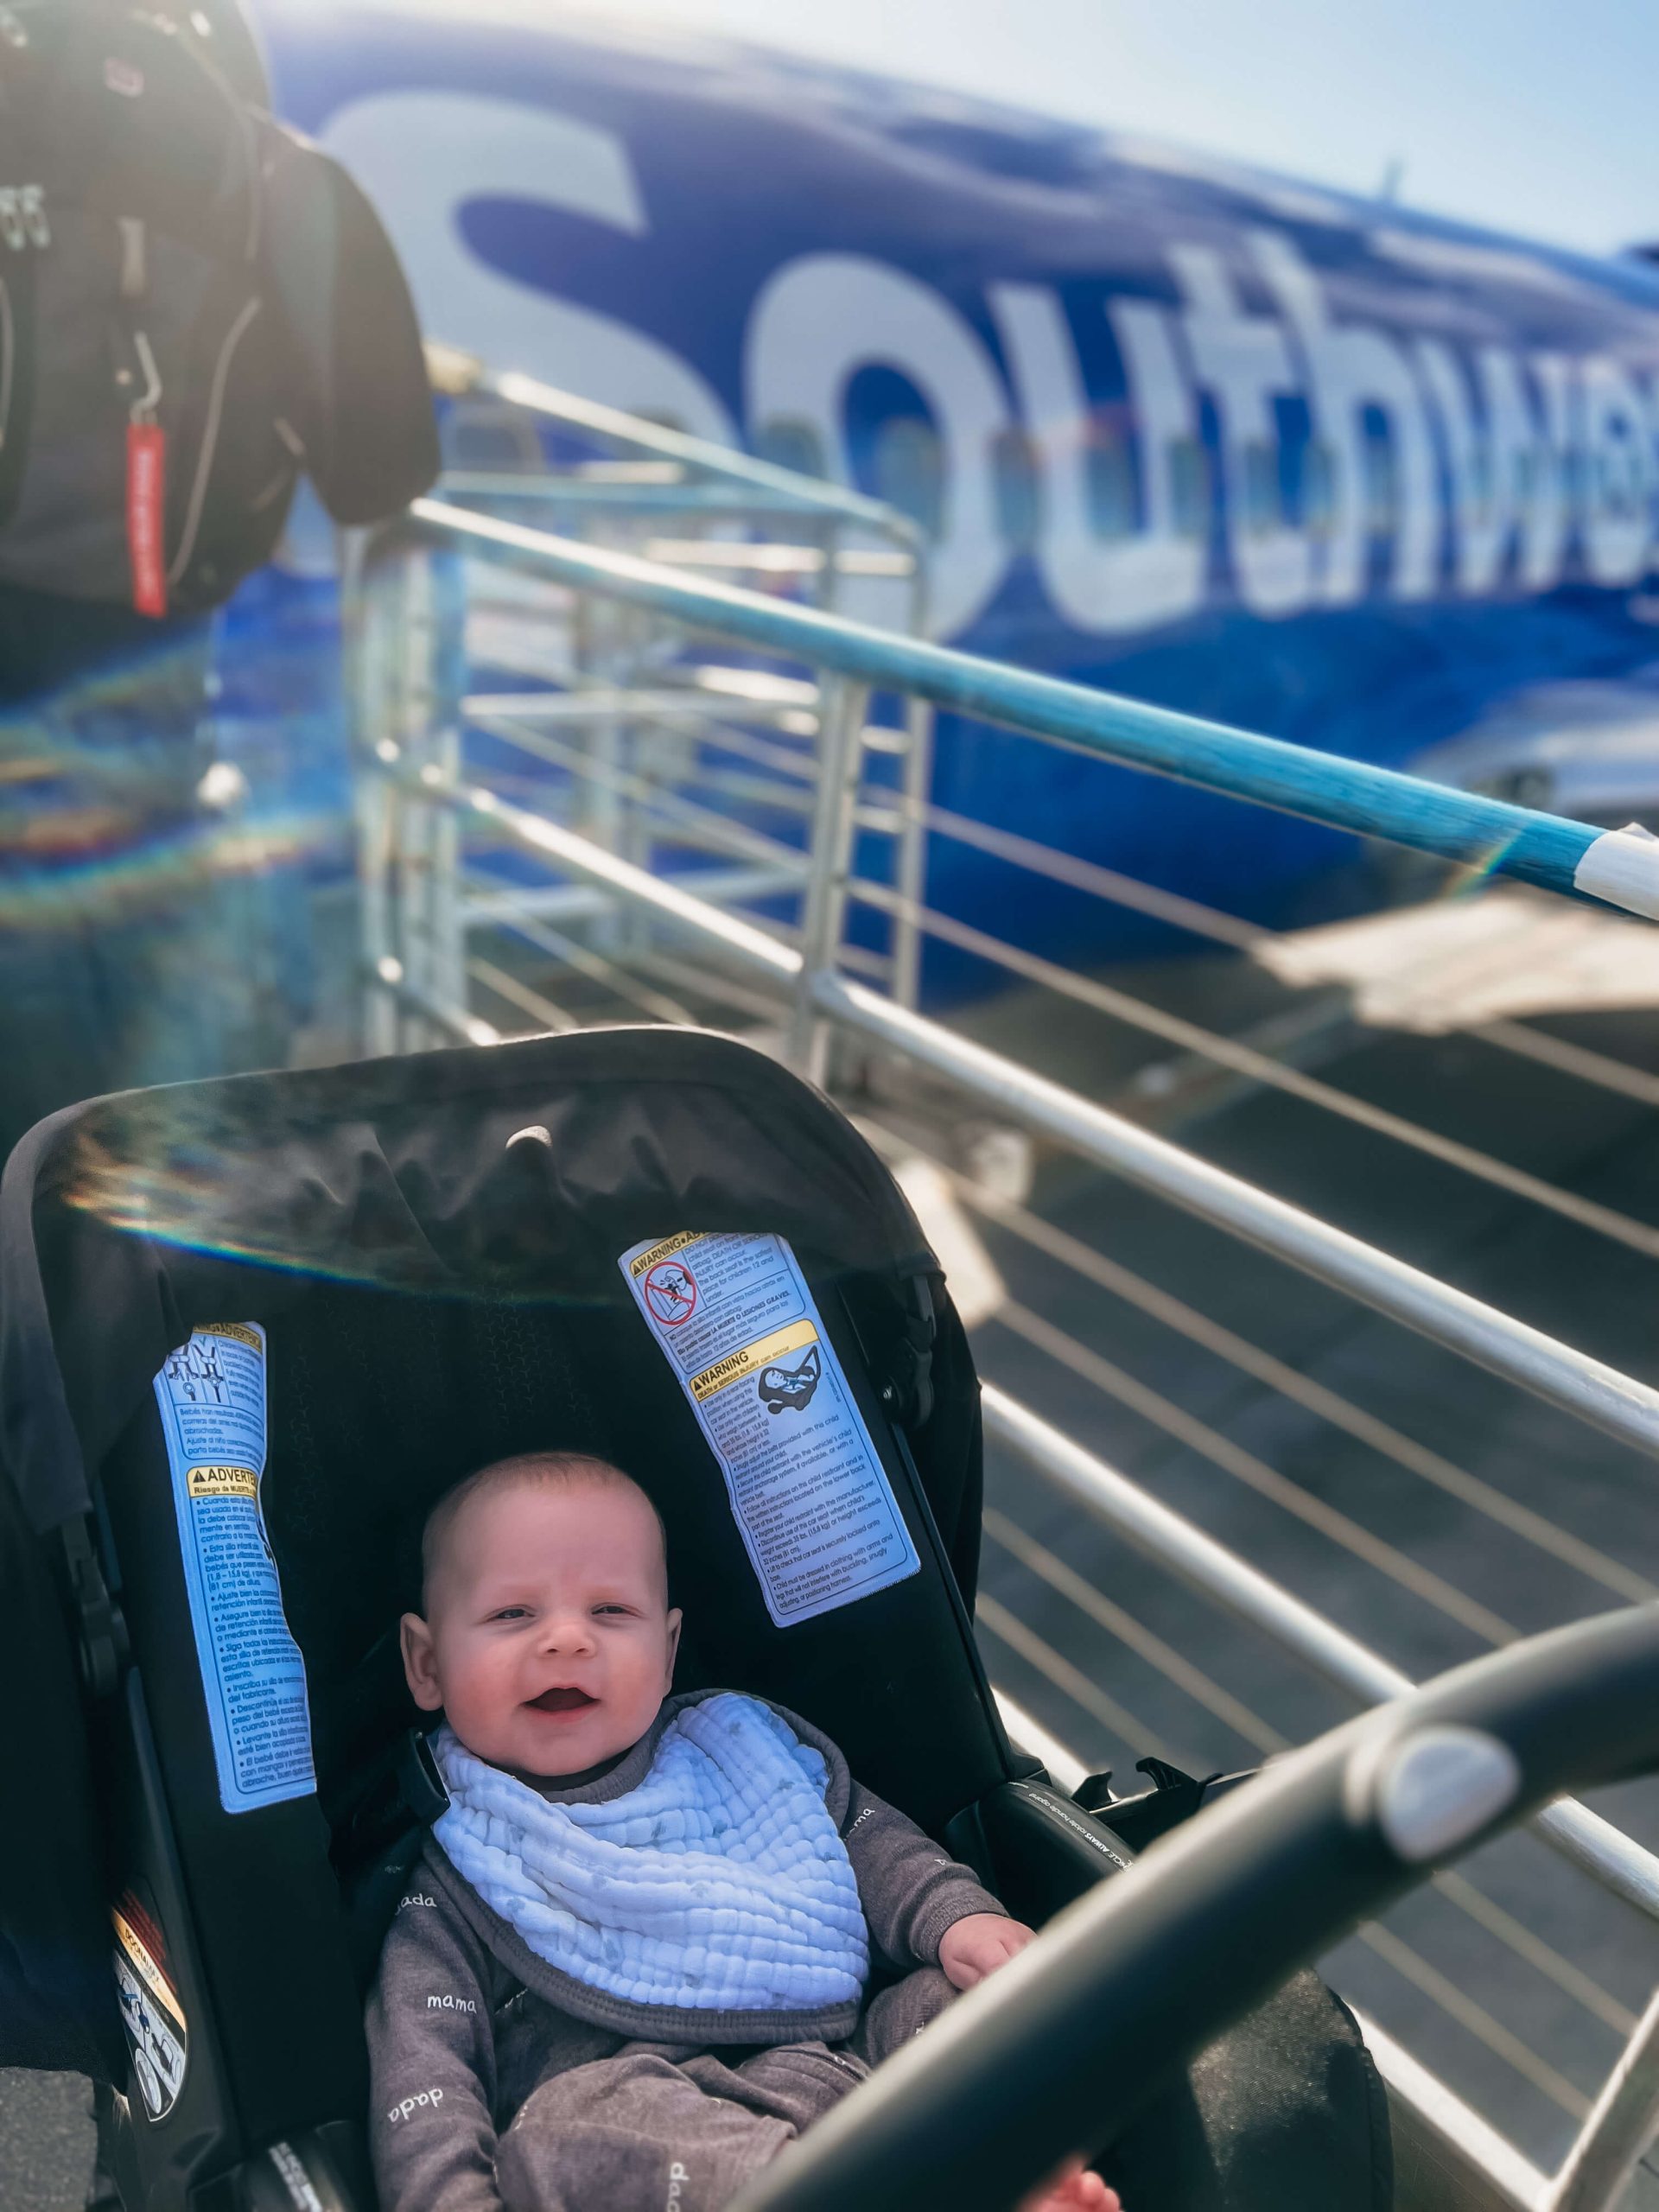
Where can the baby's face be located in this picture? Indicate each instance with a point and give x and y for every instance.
(549, 1641)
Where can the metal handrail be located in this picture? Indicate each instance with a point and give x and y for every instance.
(1263, 1068)
(459, 374)
(1546, 849)
(1619, 1863)
(1541, 1364)
(1565, 1377)
(1621, 2123)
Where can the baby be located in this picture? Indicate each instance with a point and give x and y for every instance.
(632, 1964)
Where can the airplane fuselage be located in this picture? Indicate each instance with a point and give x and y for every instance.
(1323, 467)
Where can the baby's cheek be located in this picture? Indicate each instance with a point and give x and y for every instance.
(638, 1684)
(489, 1690)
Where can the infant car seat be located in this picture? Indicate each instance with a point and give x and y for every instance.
(370, 1280)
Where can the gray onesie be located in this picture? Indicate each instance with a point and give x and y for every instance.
(499, 2080)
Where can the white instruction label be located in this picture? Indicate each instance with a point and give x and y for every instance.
(211, 1395)
(812, 1499)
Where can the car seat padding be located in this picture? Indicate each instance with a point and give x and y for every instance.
(379, 1402)
(268, 1927)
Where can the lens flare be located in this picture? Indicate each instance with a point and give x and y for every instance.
(176, 1168)
(1474, 875)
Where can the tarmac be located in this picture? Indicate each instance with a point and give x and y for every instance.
(45, 2141)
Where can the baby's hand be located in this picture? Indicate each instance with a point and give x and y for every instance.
(1072, 2190)
(971, 1949)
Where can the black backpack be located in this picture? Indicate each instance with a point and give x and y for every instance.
(195, 307)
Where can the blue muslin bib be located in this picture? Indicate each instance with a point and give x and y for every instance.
(719, 1884)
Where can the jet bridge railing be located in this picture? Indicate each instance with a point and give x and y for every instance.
(591, 708)
(784, 950)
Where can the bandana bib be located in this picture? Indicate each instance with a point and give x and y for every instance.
(719, 1884)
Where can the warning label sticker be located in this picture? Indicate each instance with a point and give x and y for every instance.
(738, 1326)
(211, 1395)
(151, 2013)
(221, 1482)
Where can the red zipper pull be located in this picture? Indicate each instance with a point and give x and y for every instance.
(147, 494)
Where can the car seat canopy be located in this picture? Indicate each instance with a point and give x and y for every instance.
(126, 1222)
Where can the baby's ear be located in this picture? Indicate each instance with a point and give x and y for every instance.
(674, 1619)
(420, 1662)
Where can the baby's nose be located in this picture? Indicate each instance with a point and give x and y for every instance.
(568, 1632)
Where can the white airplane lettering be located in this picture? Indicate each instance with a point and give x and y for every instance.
(1147, 576)
(1351, 367)
(1244, 361)
(820, 319)
(1547, 523)
(1617, 488)
(1479, 516)
(1534, 468)
(422, 156)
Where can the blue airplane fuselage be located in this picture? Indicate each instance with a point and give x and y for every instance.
(1318, 467)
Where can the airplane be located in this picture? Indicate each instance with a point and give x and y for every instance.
(1259, 450)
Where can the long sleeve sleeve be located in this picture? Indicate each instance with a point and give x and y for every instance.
(432, 2064)
(910, 1891)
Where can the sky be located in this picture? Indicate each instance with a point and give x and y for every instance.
(1537, 116)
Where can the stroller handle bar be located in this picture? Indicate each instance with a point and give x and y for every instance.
(1053, 2054)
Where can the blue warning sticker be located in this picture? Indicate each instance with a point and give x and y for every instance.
(212, 1396)
(735, 1320)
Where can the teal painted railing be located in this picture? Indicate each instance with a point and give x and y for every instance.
(1487, 833)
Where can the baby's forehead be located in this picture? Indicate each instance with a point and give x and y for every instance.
(573, 1522)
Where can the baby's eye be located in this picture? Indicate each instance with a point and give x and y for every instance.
(511, 1613)
(625, 1612)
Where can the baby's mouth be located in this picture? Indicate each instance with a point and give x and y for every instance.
(562, 1700)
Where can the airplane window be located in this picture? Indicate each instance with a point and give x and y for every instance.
(1480, 484)
(1263, 509)
(1619, 483)
(1318, 487)
(1109, 466)
(1381, 483)
(788, 442)
(1189, 487)
(1013, 467)
(909, 469)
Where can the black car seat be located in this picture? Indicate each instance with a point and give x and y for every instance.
(432, 1295)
